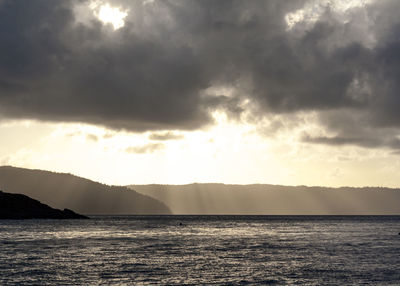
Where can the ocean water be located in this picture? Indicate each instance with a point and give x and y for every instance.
(192, 250)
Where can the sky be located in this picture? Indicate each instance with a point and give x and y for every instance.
(175, 92)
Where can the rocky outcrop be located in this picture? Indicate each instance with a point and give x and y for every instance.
(17, 206)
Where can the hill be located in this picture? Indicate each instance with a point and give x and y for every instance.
(62, 190)
(274, 199)
(17, 206)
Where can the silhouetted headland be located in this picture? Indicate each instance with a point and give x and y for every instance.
(84, 196)
(17, 206)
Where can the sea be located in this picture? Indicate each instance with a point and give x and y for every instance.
(202, 250)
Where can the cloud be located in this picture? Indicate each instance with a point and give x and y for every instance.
(366, 141)
(165, 136)
(154, 72)
(108, 135)
(55, 69)
(145, 149)
(92, 137)
(73, 134)
(338, 141)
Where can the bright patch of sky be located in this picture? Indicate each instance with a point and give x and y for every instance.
(313, 10)
(109, 14)
(228, 152)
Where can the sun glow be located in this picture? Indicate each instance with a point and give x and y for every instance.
(111, 15)
(229, 152)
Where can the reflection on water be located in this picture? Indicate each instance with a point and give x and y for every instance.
(200, 250)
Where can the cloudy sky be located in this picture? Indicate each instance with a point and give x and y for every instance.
(134, 92)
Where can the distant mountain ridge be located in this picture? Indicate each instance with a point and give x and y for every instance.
(274, 199)
(61, 190)
(17, 206)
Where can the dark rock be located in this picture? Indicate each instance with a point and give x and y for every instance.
(18, 206)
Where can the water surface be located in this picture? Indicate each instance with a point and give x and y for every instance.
(175, 250)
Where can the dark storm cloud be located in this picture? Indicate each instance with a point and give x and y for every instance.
(54, 69)
(367, 142)
(153, 73)
(358, 128)
(338, 140)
